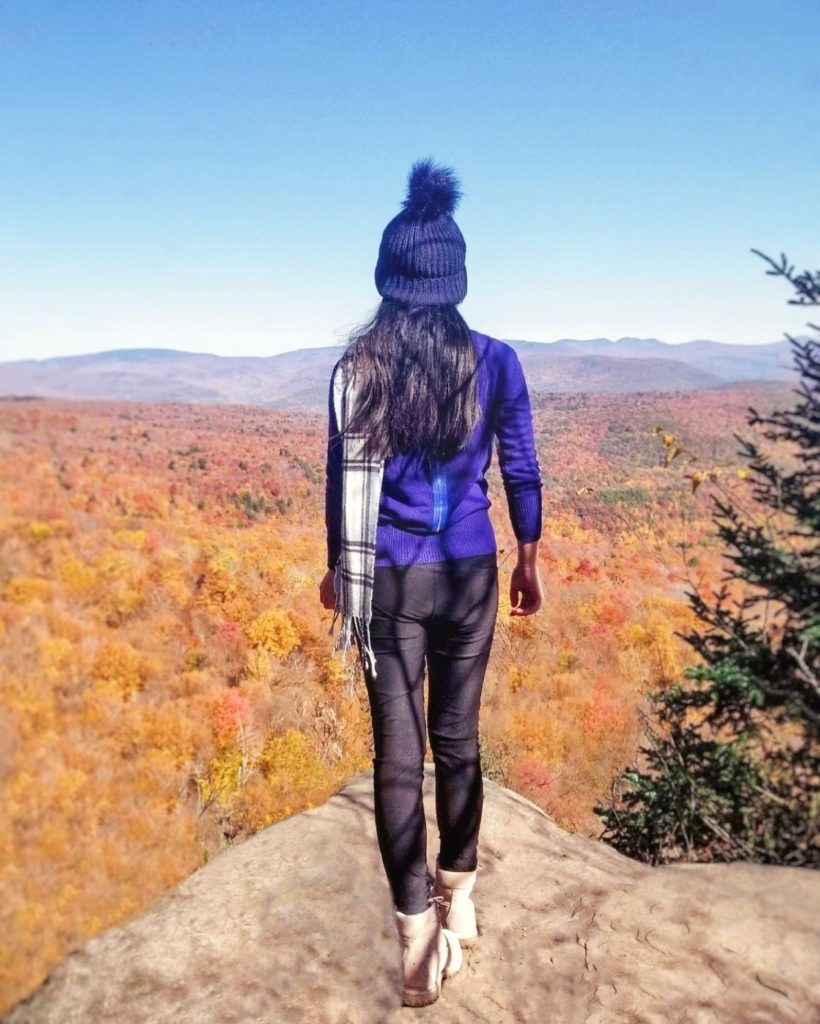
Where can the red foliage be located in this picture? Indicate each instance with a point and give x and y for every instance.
(535, 775)
(230, 712)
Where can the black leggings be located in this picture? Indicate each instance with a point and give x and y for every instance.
(442, 613)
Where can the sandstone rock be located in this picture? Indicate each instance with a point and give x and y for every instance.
(296, 925)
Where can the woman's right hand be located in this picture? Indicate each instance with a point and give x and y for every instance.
(526, 592)
(327, 592)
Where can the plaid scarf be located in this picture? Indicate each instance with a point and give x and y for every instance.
(361, 490)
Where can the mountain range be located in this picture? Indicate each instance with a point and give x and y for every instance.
(298, 380)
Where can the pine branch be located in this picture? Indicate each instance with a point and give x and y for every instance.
(806, 284)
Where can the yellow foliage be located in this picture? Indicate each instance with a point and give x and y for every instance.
(517, 627)
(126, 907)
(114, 563)
(76, 576)
(170, 571)
(66, 898)
(567, 660)
(63, 797)
(32, 705)
(25, 590)
(273, 566)
(335, 672)
(519, 676)
(131, 539)
(54, 841)
(119, 668)
(120, 599)
(226, 560)
(220, 584)
(568, 529)
(291, 758)
(224, 778)
(169, 734)
(543, 736)
(274, 631)
(40, 531)
(19, 789)
(633, 634)
(258, 664)
(54, 653)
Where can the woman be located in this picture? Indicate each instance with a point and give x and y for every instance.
(415, 404)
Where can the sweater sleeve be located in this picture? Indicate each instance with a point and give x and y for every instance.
(333, 486)
(515, 443)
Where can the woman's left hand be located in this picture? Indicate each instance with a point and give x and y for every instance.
(327, 592)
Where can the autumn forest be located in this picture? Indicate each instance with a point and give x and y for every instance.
(168, 682)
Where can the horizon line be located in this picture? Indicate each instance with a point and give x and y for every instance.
(313, 348)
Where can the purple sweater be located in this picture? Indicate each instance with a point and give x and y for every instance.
(437, 512)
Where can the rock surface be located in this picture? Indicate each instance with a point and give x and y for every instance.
(296, 925)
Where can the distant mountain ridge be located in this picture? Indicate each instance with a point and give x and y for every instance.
(727, 363)
(298, 379)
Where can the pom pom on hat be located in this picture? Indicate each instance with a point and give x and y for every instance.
(432, 191)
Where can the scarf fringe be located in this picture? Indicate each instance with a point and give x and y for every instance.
(358, 627)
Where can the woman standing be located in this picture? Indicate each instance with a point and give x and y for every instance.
(416, 402)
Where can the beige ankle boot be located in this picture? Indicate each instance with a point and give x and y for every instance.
(428, 953)
(452, 891)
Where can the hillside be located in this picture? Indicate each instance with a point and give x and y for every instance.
(168, 685)
(296, 924)
(298, 380)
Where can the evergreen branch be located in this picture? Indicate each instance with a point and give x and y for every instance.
(807, 284)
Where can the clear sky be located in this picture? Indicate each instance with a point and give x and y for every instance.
(215, 175)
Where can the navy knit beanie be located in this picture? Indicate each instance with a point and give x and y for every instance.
(421, 256)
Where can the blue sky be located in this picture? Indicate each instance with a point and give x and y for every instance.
(215, 176)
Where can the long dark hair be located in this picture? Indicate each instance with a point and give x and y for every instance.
(415, 371)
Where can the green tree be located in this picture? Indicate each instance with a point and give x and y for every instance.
(732, 755)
